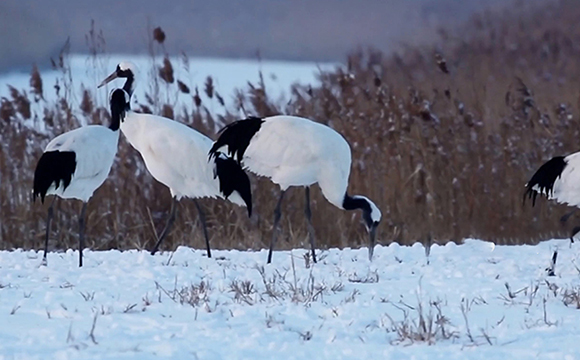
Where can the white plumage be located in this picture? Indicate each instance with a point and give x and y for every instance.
(294, 151)
(558, 179)
(176, 156)
(94, 147)
(76, 163)
(297, 152)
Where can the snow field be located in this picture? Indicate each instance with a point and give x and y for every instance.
(125, 305)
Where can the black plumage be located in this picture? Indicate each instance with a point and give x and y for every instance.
(120, 104)
(545, 178)
(354, 203)
(237, 136)
(54, 167)
(233, 178)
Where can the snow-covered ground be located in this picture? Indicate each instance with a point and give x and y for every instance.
(477, 301)
(227, 74)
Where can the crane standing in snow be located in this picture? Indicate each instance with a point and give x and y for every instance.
(176, 156)
(76, 163)
(294, 151)
(558, 179)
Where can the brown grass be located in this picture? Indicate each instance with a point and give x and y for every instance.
(422, 323)
(443, 140)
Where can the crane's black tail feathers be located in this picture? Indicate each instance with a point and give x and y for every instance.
(236, 136)
(53, 167)
(542, 182)
(233, 178)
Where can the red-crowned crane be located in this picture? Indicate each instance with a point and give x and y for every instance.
(294, 151)
(76, 163)
(176, 156)
(558, 179)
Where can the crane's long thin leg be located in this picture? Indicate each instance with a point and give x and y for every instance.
(48, 221)
(167, 226)
(575, 231)
(277, 216)
(82, 225)
(203, 226)
(308, 214)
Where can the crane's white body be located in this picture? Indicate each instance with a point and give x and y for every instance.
(175, 155)
(95, 147)
(294, 151)
(566, 188)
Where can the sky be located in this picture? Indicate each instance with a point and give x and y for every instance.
(322, 30)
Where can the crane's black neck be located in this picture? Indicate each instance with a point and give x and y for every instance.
(119, 106)
(129, 86)
(355, 203)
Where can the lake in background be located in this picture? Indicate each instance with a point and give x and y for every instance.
(228, 75)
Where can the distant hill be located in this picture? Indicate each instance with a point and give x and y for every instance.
(33, 30)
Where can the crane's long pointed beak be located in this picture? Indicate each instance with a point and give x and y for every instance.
(109, 78)
(372, 234)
